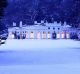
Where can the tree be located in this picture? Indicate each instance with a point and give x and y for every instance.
(51, 10)
(3, 4)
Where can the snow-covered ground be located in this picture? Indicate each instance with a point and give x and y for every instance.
(40, 57)
(26, 44)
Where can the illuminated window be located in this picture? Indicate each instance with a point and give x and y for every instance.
(62, 35)
(48, 35)
(58, 35)
(67, 35)
(31, 35)
(53, 28)
(38, 35)
(27, 35)
(44, 35)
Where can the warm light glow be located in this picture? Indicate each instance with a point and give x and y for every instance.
(38, 35)
(11, 35)
(31, 35)
(67, 35)
(58, 35)
(27, 35)
(62, 35)
(44, 35)
(49, 36)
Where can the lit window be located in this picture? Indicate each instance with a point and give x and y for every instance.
(44, 35)
(31, 35)
(38, 35)
(48, 35)
(48, 27)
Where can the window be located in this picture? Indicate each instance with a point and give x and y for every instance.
(48, 27)
(31, 35)
(58, 28)
(48, 35)
(44, 35)
(38, 35)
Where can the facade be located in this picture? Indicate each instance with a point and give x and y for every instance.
(41, 31)
(78, 33)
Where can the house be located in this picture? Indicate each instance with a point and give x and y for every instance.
(43, 30)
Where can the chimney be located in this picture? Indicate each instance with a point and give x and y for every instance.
(20, 25)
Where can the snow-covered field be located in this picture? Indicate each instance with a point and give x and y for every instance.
(12, 44)
(40, 57)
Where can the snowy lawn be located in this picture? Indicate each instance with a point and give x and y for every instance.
(40, 57)
(12, 44)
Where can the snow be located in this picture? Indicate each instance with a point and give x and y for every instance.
(38, 44)
(40, 57)
(41, 69)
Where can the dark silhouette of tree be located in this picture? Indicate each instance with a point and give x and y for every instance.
(3, 4)
(51, 10)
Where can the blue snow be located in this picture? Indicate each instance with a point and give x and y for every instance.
(42, 57)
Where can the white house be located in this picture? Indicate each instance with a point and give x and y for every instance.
(40, 31)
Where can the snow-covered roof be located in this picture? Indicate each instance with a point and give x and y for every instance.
(42, 25)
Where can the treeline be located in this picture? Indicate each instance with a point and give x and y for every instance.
(3, 5)
(51, 10)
